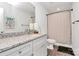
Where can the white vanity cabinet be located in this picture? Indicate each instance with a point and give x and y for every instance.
(22, 50)
(40, 46)
(36, 47)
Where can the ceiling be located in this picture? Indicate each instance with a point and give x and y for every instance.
(56, 6)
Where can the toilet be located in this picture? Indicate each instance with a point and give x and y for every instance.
(51, 42)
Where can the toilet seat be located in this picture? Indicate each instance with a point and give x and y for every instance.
(51, 43)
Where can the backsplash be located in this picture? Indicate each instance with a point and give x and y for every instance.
(6, 35)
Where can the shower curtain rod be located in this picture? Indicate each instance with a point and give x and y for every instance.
(59, 12)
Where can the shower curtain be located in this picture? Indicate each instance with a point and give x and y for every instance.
(59, 27)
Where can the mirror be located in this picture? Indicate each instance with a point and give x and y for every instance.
(16, 17)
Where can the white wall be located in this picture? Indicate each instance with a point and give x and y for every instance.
(75, 28)
(75, 13)
(41, 18)
(6, 12)
(21, 17)
(1, 20)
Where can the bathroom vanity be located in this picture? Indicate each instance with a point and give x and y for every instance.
(26, 45)
(16, 28)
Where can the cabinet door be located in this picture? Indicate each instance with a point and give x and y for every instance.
(39, 46)
(41, 50)
(37, 50)
(44, 49)
(26, 51)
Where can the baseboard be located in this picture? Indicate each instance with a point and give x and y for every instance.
(65, 45)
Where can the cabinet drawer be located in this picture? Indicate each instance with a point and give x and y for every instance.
(22, 49)
(15, 50)
(26, 51)
(23, 52)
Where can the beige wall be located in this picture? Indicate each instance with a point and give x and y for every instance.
(59, 27)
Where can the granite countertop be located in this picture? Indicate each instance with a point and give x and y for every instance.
(8, 43)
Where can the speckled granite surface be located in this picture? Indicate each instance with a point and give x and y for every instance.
(11, 42)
